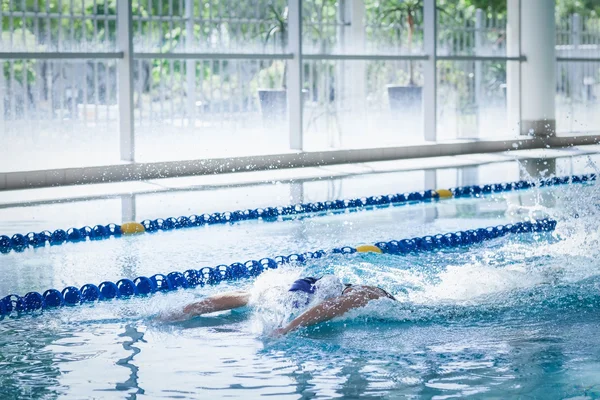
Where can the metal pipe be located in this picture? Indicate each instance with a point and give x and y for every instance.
(254, 56)
(34, 55)
(213, 56)
(430, 39)
(125, 81)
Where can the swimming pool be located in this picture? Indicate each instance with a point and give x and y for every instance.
(516, 316)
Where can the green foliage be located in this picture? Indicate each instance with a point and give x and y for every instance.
(397, 11)
(454, 7)
(21, 70)
(407, 12)
(404, 14)
(279, 19)
(58, 29)
(565, 8)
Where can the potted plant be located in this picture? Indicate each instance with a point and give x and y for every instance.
(404, 13)
(273, 102)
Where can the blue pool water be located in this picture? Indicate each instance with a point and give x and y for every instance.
(514, 317)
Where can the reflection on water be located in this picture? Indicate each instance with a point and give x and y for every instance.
(533, 169)
(127, 362)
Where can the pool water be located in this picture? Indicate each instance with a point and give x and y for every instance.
(513, 317)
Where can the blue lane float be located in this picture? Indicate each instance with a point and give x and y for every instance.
(145, 286)
(20, 243)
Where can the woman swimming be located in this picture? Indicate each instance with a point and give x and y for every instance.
(337, 300)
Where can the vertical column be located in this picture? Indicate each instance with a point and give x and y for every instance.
(513, 68)
(478, 73)
(294, 74)
(356, 11)
(2, 83)
(350, 84)
(358, 68)
(575, 79)
(538, 73)
(340, 86)
(2, 96)
(190, 65)
(430, 71)
(125, 80)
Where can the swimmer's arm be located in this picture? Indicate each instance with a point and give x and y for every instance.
(329, 309)
(219, 302)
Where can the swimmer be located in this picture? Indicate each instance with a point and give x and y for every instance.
(343, 299)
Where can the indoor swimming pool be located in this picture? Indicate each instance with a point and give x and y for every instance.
(516, 316)
(300, 199)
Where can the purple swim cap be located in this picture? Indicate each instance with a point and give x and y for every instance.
(306, 285)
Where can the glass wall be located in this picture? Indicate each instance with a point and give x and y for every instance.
(578, 75)
(57, 111)
(357, 103)
(577, 97)
(223, 78)
(206, 103)
(472, 100)
(223, 117)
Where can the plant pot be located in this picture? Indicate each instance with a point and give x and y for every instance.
(273, 104)
(405, 98)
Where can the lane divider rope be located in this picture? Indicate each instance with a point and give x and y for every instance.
(145, 286)
(19, 242)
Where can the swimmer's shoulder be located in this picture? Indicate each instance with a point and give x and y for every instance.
(374, 291)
